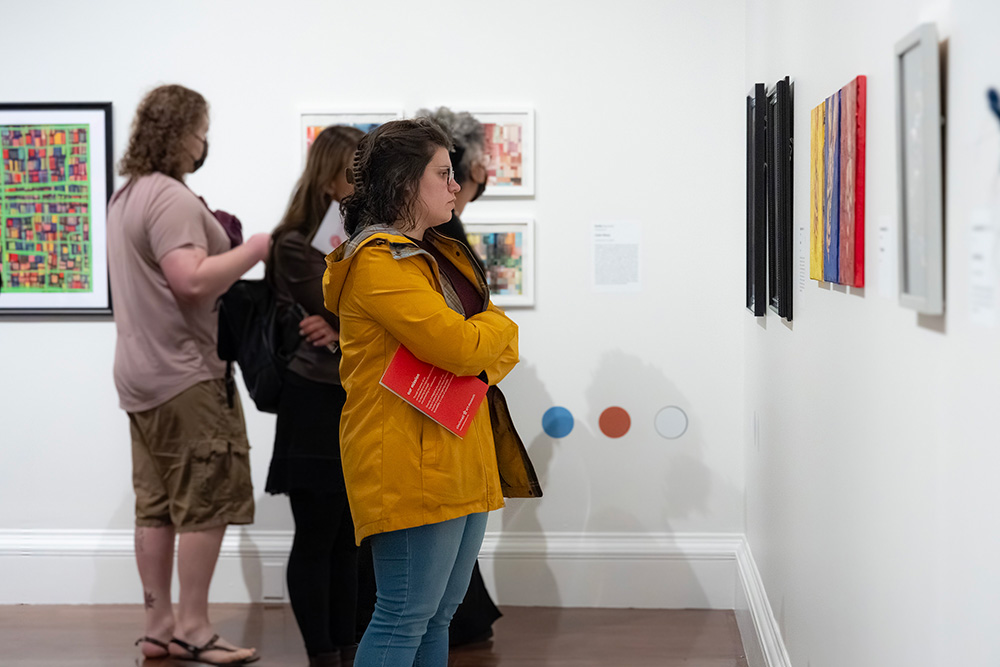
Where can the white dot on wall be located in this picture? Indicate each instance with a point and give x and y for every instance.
(671, 422)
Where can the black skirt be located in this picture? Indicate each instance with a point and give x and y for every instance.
(307, 438)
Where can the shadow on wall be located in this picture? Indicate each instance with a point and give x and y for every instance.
(678, 483)
(589, 493)
(521, 514)
(684, 483)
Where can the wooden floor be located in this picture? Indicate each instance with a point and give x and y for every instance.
(92, 636)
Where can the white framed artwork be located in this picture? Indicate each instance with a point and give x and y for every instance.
(919, 171)
(510, 147)
(313, 123)
(506, 245)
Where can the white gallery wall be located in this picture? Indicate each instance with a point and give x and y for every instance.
(638, 118)
(871, 492)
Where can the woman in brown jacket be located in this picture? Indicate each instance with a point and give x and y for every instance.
(323, 566)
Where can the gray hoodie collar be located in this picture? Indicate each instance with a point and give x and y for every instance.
(403, 250)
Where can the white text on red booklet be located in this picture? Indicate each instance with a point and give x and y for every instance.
(450, 400)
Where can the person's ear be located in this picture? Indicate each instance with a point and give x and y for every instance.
(479, 173)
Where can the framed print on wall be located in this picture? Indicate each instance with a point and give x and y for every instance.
(756, 288)
(918, 169)
(55, 182)
(506, 246)
(314, 123)
(510, 147)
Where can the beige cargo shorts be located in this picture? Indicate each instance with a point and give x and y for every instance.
(191, 461)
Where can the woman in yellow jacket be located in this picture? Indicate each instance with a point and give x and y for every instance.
(417, 491)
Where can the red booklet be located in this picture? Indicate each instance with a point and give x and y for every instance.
(448, 399)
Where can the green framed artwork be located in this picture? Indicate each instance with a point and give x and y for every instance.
(55, 183)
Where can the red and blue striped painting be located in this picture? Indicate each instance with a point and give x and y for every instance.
(843, 197)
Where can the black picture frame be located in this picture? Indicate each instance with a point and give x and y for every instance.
(778, 169)
(77, 247)
(756, 266)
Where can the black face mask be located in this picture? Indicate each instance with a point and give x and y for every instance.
(480, 189)
(200, 161)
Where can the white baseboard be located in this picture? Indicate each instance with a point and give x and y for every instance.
(671, 571)
(666, 571)
(98, 566)
(563, 569)
(759, 630)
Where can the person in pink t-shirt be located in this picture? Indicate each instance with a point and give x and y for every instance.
(170, 260)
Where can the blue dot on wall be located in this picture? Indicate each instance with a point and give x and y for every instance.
(557, 422)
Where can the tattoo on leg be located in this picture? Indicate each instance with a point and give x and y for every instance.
(150, 600)
(140, 540)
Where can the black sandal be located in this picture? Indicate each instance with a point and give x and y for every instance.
(210, 645)
(155, 642)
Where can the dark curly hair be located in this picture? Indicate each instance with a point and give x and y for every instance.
(164, 117)
(387, 170)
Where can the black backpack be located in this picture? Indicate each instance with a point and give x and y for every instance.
(260, 335)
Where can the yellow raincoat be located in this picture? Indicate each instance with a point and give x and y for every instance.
(402, 469)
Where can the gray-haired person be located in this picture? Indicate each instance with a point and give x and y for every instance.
(468, 159)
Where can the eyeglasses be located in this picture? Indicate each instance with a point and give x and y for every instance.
(450, 176)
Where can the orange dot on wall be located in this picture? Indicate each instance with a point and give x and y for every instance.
(614, 422)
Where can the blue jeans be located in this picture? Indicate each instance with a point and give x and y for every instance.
(421, 575)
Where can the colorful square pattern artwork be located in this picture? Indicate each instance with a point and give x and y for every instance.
(502, 252)
(506, 252)
(45, 209)
(506, 157)
(55, 182)
(510, 150)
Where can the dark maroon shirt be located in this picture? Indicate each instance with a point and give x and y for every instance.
(472, 301)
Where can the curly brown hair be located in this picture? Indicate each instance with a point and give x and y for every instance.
(165, 116)
(387, 169)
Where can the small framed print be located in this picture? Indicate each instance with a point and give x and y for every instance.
(506, 247)
(55, 182)
(510, 147)
(314, 123)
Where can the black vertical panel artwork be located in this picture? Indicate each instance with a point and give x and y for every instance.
(756, 288)
(778, 174)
